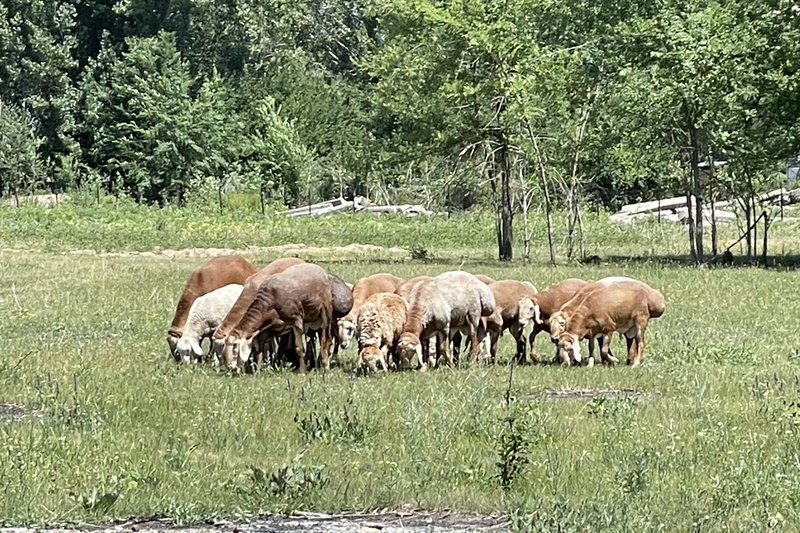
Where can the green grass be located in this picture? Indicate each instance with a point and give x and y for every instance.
(128, 433)
(120, 225)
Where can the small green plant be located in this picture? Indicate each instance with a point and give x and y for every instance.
(328, 425)
(419, 252)
(292, 481)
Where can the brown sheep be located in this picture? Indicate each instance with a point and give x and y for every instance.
(485, 279)
(404, 291)
(450, 302)
(514, 309)
(550, 301)
(625, 307)
(363, 289)
(557, 321)
(218, 272)
(342, 293)
(251, 286)
(297, 300)
(380, 323)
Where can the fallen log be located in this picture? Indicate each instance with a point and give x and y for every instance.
(323, 211)
(667, 204)
(314, 207)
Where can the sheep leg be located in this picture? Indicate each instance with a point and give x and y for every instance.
(518, 332)
(300, 348)
(455, 337)
(590, 359)
(639, 358)
(325, 348)
(632, 349)
(443, 348)
(474, 342)
(537, 328)
(607, 355)
(384, 357)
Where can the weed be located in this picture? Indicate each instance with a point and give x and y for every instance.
(292, 481)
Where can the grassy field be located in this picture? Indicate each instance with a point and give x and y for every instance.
(711, 444)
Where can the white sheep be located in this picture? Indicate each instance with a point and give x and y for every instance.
(380, 323)
(207, 312)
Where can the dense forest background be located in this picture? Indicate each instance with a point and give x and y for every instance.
(513, 103)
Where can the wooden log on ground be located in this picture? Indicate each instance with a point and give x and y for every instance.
(315, 207)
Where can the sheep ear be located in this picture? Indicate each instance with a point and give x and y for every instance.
(196, 349)
(537, 313)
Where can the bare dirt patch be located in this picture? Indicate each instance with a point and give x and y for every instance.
(396, 522)
(351, 251)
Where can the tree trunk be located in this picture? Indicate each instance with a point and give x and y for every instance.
(263, 201)
(752, 201)
(507, 213)
(764, 246)
(692, 241)
(714, 240)
(748, 216)
(694, 137)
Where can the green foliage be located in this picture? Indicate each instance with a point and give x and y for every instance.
(37, 38)
(20, 165)
(144, 131)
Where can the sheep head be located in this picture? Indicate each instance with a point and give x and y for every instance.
(409, 347)
(237, 351)
(188, 349)
(346, 331)
(528, 311)
(569, 348)
(370, 356)
(558, 324)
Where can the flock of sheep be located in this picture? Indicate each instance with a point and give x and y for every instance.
(277, 313)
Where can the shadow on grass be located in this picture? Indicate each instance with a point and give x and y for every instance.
(779, 262)
(782, 262)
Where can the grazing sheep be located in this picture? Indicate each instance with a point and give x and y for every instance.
(297, 300)
(363, 289)
(342, 294)
(625, 307)
(251, 286)
(450, 302)
(485, 279)
(557, 321)
(380, 323)
(549, 302)
(218, 272)
(514, 309)
(206, 313)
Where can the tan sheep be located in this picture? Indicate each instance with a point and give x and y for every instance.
(380, 323)
(549, 302)
(514, 309)
(297, 300)
(363, 289)
(625, 307)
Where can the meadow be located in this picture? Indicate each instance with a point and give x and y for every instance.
(710, 440)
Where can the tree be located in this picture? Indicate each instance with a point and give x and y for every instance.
(37, 40)
(20, 165)
(141, 121)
